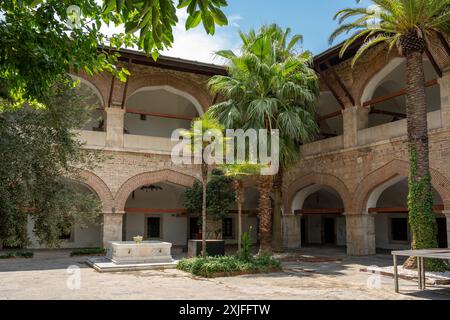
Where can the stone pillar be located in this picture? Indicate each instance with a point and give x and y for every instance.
(444, 84)
(447, 216)
(292, 238)
(354, 118)
(115, 119)
(360, 234)
(112, 227)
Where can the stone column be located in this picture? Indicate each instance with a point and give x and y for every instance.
(115, 119)
(444, 84)
(447, 216)
(354, 118)
(112, 227)
(292, 238)
(360, 234)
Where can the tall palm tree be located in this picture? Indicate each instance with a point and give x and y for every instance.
(196, 134)
(406, 25)
(267, 88)
(239, 172)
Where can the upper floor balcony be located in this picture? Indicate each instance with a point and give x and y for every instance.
(149, 115)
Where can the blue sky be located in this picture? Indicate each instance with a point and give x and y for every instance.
(311, 18)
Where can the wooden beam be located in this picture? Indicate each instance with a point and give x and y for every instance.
(154, 210)
(130, 61)
(433, 62)
(320, 211)
(327, 83)
(335, 94)
(329, 116)
(159, 115)
(388, 113)
(395, 94)
(341, 84)
(444, 43)
(111, 91)
(400, 209)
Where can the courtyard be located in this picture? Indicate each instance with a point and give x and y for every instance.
(332, 276)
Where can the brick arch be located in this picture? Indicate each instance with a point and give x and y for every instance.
(316, 179)
(98, 83)
(179, 83)
(97, 185)
(150, 178)
(394, 169)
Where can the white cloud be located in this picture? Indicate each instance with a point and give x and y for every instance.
(197, 45)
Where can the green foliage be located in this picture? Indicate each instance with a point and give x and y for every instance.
(269, 86)
(245, 253)
(38, 44)
(17, 254)
(38, 148)
(393, 21)
(219, 196)
(421, 215)
(228, 265)
(88, 252)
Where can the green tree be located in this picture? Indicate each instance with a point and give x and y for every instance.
(239, 172)
(406, 25)
(219, 196)
(269, 86)
(199, 128)
(38, 44)
(38, 149)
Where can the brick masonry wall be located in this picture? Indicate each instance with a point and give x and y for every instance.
(353, 172)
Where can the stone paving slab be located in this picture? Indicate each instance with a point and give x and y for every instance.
(102, 264)
(47, 277)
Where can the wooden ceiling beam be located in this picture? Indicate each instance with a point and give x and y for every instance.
(341, 83)
(388, 113)
(395, 94)
(159, 115)
(444, 43)
(433, 62)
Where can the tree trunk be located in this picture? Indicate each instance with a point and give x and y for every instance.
(238, 185)
(276, 230)
(204, 185)
(265, 184)
(420, 200)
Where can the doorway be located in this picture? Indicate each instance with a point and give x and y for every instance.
(329, 231)
(442, 232)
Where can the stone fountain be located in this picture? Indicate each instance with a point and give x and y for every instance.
(134, 255)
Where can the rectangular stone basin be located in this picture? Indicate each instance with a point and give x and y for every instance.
(145, 252)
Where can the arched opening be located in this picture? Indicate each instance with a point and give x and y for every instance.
(87, 235)
(322, 221)
(155, 211)
(385, 93)
(329, 115)
(388, 203)
(92, 98)
(158, 111)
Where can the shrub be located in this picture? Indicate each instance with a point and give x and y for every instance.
(228, 265)
(17, 254)
(88, 252)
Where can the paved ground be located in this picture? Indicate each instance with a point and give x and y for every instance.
(46, 277)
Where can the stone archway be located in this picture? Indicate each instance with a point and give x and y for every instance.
(97, 185)
(309, 180)
(150, 178)
(170, 81)
(388, 172)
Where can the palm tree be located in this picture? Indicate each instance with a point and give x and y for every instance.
(408, 26)
(239, 172)
(196, 134)
(267, 88)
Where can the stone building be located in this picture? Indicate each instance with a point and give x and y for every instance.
(349, 189)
